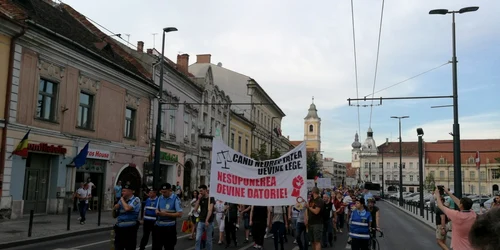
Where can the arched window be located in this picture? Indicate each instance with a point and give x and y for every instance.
(311, 128)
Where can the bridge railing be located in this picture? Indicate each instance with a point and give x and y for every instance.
(414, 208)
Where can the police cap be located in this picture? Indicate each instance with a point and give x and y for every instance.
(127, 186)
(166, 186)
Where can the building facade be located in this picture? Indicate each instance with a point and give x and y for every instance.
(249, 99)
(240, 138)
(69, 89)
(337, 170)
(381, 163)
(486, 180)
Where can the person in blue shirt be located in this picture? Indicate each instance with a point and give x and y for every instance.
(149, 218)
(367, 195)
(359, 226)
(127, 213)
(168, 209)
(118, 191)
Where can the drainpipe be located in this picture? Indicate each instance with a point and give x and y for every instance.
(7, 100)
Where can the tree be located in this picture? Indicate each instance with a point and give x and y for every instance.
(275, 154)
(312, 166)
(261, 153)
(429, 184)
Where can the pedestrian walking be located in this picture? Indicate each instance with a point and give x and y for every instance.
(149, 218)
(126, 211)
(168, 209)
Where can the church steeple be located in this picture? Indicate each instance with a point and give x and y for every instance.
(313, 112)
(312, 128)
(356, 144)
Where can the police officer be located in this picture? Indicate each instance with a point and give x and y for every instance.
(127, 213)
(149, 218)
(168, 209)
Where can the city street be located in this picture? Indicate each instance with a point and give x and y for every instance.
(401, 232)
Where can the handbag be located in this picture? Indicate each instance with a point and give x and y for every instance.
(185, 227)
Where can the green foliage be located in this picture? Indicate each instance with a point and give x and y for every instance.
(261, 153)
(497, 159)
(275, 154)
(429, 184)
(312, 165)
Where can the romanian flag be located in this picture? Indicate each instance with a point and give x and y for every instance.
(22, 147)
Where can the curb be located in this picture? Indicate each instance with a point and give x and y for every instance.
(415, 217)
(30, 241)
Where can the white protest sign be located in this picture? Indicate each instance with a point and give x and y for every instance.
(324, 183)
(236, 178)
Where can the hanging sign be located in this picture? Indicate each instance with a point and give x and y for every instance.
(236, 178)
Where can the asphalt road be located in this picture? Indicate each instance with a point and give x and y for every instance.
(401, 232)
(101, 241)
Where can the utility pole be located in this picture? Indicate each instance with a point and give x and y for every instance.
(400, 159)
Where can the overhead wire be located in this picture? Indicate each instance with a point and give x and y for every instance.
(377, 57)
(413, 77)
(355, 63)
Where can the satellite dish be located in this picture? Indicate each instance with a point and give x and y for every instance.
(219, 64)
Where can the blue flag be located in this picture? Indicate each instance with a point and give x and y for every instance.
(81, 158)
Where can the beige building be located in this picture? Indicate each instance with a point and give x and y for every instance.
(312, 130)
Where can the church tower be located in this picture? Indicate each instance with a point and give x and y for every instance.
(356, 152)
(312, 129)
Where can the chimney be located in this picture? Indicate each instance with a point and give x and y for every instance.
(140, 46)
(149, 51)
(205, 58)
(386, 140)
(183, 63)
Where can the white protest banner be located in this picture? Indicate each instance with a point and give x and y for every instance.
(236, 178)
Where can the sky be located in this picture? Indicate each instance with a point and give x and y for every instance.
(298, 49)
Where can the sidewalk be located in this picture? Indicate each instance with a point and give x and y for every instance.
(49, 227)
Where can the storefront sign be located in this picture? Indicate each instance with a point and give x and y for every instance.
(99, 154)
(164, 156)
(236, 178)
(45, 148)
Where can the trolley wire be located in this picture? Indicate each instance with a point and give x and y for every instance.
(355, 62)
(377, 57)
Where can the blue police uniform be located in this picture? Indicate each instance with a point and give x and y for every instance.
(360, 222)
(149, 221)
(165, 232)
(127, 224)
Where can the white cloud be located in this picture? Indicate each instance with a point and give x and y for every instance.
(297, 50)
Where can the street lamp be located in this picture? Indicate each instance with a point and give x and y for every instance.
(400, 159)
(420, 133)
(272, 130)
(456, 127)
(156, 166)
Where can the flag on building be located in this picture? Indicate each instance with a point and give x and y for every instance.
(22, 147)
(277, 131)
(81, 158)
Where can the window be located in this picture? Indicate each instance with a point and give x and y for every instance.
(232, 140)
(84, 119)
(495, 174)
(395, 165)
(404, 177)
(366, 164)
(483, 177)
(411, 177)
(388, 164)
(380, 165)
(404, 165)
(411, 164)
(311, 128)
(380, 177)
(47, 100)
(451, 174)
(433, 173)
(441, 174)
(129, 123)
(246, 146)
(163, 119)
(171, 122)
(186, 125)
(373, 164)
(388, 177)
(193, 131)
(373, 177)
(239, 144)
(472, 175)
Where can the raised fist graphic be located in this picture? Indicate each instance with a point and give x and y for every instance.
(297, 183)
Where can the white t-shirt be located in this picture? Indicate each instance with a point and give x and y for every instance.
(84, 193)
(91, 185)
(347, 200)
